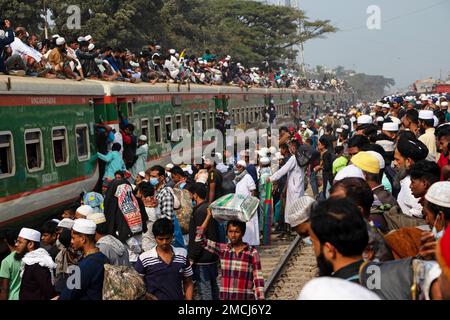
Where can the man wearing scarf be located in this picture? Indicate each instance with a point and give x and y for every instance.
(37, 267)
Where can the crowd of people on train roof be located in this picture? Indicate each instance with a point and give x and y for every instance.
(82, 58)
(368, 187)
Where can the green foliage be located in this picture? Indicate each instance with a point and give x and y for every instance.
(368, 87)
(248, 30)
(23, 13)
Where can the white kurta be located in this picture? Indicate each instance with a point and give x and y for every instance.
(408, 203)
(245, 188)
(295, 183)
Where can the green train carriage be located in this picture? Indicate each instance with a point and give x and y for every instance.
(47, 134)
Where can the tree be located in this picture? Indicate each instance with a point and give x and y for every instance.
(24, 13)
(129, 24)
(369, 87)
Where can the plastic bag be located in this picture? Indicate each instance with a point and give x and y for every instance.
(234, 207)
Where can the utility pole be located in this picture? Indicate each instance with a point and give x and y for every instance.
(45, 20)
(302, 49)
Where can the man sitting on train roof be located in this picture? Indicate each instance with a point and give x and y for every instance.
(60, 61)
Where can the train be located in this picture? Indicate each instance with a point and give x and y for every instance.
(48, 140)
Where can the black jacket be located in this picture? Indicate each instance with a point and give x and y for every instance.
(195, 250)
(117, 226)
(3, 43)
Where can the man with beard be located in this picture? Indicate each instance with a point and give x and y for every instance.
(339, 235)
(38, 267)
(10, 270)
(426, 122)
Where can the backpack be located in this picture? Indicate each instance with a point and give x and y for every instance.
(184, 211)
(228, 185)
(303, 155)
(123, 283)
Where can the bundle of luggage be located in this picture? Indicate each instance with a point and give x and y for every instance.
(234, 207)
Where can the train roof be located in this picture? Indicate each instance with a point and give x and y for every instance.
(12, 85)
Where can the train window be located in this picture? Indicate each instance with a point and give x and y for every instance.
(168, 128)
(82, 140)
(60, 146)
(238, 116)
(157, 128)
(144, 127)
(130, 109)
(178, 122)
(243, 115)
(34, 150)
(188, 122)
(7, 163)
(204, 122)
(211, 119)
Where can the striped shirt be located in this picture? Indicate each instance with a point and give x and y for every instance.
(163, 280)
(241, 273)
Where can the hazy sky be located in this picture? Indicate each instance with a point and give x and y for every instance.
(413, 43)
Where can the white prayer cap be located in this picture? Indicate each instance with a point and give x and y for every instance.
(379, 158)
(353, 119)
(30, 234)
(60, 41)
(242, 163)
(387, 145)
(169, 166)
(264, 160)
(158, 47)
(279, 156)
(334, 113)
(88, 37)
(141, 174)
(390, 126)
(263, 152)
(444, 104)
(98, 218)
(426, 114)
(396, 120)
(228, 58)
(345, 127)
(365, 119)
(436, 121)
(304, 126)
(84, 226)
(143, 138)
(56, 36)
(438, 103)
(91, 47)
(386, 106)
(85, 210)
(66, 223)
(299, 211)
(380, 119)
(81, 39)
(172, 51)
(379, 104)
(272, 150)
(327, 288)
(439, 194)
(339, 130)
(350, 171)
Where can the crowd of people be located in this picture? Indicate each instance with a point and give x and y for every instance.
(83, 58)
(379, 196)
(377, 178)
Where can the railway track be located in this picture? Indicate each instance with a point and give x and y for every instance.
(287, 267)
